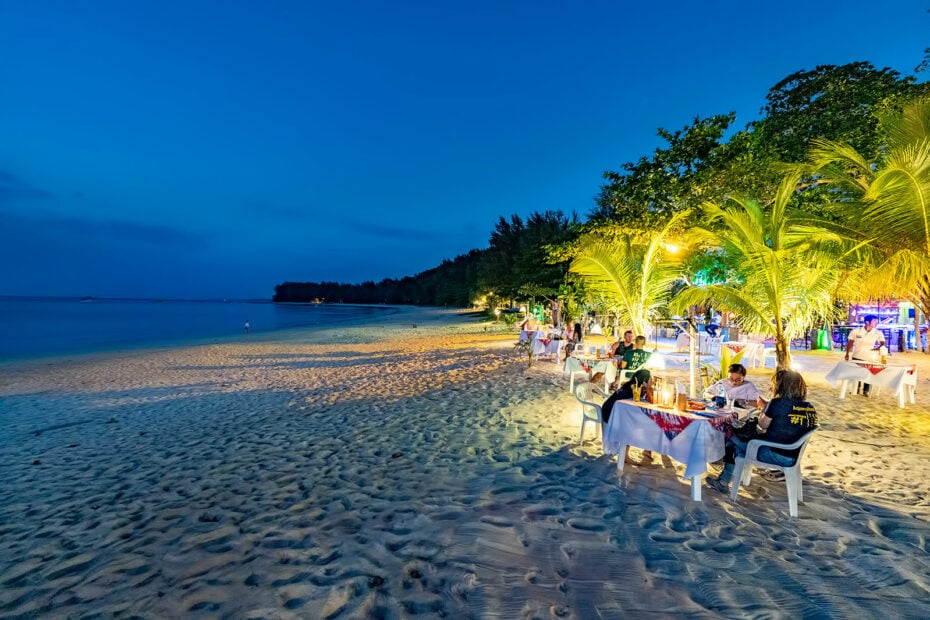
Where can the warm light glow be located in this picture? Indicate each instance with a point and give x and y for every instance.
(523, 309)
(672, 248)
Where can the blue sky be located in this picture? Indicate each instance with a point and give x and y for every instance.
(214, 149)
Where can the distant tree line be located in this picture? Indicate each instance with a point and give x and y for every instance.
(844, 146)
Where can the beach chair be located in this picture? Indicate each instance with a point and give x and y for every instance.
(742, 472)
(590, 396)
(571, 367)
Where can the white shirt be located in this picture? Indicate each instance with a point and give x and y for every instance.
(864, 341)
(744, 391)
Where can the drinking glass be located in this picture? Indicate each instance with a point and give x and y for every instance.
(637, 392)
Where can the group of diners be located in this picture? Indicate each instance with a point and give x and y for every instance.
(628, 353)
(783, 415)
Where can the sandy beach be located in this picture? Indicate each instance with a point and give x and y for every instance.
(414, 466)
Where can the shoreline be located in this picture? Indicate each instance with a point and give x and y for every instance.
(386, 470)
(101, 354)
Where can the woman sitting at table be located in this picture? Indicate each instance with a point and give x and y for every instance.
(785, 420)
(643, 378)
(743, 393)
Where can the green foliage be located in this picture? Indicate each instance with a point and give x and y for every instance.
(649, 192)
(631, 273)
(727, 357)
(786, 267)
(518, 257)
(887, 201)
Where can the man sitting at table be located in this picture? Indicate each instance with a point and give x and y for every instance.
(743, 393)
(623, 345)
(634, 358)
(862, 341)
(643, 378)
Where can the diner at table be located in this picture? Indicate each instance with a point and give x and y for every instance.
(786, 418)
(737, 389)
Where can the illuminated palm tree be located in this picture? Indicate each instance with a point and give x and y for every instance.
(784, 267)
(888, 201)
(631, 271)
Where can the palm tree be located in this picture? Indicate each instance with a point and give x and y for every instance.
(888, 200)
(784, 265)
(631, 271)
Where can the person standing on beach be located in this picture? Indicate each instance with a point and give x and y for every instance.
(862, 341)
(247, 327)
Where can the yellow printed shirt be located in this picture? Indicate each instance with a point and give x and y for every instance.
(791, 419)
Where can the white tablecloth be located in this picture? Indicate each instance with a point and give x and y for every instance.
(694, 445)
(542, 347)
(901, 380)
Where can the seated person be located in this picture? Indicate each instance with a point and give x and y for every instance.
(785, 420)
(625, 391)
(743, 393)
(634, 358)
(623, 345)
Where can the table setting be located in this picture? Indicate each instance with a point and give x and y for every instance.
(901, 379)
(693, 432)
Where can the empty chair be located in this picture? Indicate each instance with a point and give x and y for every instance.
(589, 396)
(572, 366)
(742, 471)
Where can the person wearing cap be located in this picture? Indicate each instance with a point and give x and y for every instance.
(862, 341)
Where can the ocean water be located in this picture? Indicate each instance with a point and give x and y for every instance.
(38, 327)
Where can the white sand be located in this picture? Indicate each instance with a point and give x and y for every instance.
(387, 471)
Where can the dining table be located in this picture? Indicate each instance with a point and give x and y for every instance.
(546, 346)
(752, 352)
(901, 379)
(693, 437)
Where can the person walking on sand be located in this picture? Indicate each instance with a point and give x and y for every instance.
(247, 327)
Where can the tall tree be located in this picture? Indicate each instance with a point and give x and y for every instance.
(785, 267)
(887, 199)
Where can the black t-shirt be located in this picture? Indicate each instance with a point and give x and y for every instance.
(791, 419)
(622, 348)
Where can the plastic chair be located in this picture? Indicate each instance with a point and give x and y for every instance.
(573, 366)
(742, 471)
(586, 393)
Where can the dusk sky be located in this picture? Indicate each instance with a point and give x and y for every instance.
(215, 149)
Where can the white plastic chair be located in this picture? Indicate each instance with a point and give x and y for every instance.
(573, 366)
(587, 393)
(742, 471)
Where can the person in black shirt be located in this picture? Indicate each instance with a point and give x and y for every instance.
(625, 391)
(787, 418)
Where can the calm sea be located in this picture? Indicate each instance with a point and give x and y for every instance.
(38, 327)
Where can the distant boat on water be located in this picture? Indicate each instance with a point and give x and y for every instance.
(86, 299)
